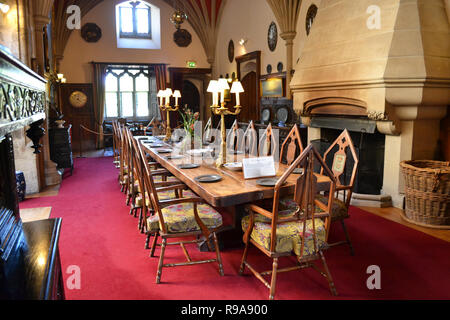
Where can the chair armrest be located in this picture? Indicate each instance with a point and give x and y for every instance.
(339, 188)
(160, 172)
(260, 210)
(175, 187)
(171, 202)
(167, 184)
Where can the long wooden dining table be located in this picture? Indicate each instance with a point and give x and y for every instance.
(230, 194)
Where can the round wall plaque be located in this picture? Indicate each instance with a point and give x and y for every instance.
(231, 51)
(182, 38)
(269, 68)
(91, 32)
(272, 37)
(280, 67)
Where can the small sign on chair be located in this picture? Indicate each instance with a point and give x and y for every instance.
(258, 167)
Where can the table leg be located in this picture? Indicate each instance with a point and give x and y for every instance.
(229, 237)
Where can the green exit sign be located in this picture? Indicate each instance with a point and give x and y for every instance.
(191, 64)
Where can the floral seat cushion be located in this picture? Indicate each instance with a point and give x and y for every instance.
(288, 235)
(338, 209)
(180, 218)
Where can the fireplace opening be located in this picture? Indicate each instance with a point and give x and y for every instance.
(370, 148)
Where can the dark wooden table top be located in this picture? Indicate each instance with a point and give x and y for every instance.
(232, 190)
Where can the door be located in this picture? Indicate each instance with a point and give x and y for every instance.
(191, 96)
(249, 104)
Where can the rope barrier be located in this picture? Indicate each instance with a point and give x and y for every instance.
(97, 133)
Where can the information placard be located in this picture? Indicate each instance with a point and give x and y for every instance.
(258, 167)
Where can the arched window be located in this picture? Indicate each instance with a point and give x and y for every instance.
(138, 25)
(135, 20)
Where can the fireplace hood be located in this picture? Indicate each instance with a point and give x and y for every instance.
(393, 74)
(400, 71)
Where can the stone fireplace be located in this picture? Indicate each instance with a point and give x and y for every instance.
(390, 83)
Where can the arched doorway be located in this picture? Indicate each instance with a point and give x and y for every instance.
(191, 96)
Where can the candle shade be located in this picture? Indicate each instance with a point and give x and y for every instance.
(214, 89)
(237, 89)
(177, 95)
(161, 95)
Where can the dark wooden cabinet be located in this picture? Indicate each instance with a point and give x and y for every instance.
(61, 147)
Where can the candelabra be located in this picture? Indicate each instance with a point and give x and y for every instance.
(217, 87)
(166, 107)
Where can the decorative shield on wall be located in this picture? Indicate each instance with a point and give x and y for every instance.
(91, 32)
(182, 38)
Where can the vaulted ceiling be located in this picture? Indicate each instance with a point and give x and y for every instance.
(203, 15)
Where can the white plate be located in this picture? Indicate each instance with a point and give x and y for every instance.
(235, 166)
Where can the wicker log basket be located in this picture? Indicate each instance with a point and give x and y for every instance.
(427, 188)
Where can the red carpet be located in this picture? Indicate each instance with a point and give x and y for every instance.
(101, 238)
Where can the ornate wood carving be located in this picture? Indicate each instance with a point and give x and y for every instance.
(22, 94)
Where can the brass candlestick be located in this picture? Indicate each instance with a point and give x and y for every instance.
(166, 94)
(223, 111)
(168, 109)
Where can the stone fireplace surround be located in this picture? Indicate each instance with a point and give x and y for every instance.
(395, 79)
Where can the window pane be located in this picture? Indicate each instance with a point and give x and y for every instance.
(126, 21)
(142, 83)
(111, 83)
(126, 83)
(111, 105)
(142, 104)
(127, 104)
(143, 22)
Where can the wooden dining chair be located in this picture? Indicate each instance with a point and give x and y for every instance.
(179, 218)
(207, 135)
(249, 143)
(268, 144)
(340, 150)
(301, 233)
(234, 137)
(292, 146)
(342, 147)
(116, 160)
(136, 199)
(149, 126)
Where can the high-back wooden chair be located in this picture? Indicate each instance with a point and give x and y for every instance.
(234, 137)
(292, 146)
(343, 147)
(301, 232)
(268, 143)
(249, 143)
(139, 201)
(207, 132)
(116, 143)
(149, 126)
(123, 158)
(179, 218)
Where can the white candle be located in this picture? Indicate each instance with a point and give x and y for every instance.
(238, 99)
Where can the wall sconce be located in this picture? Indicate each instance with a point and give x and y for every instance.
(4, 7)
(243, 41)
